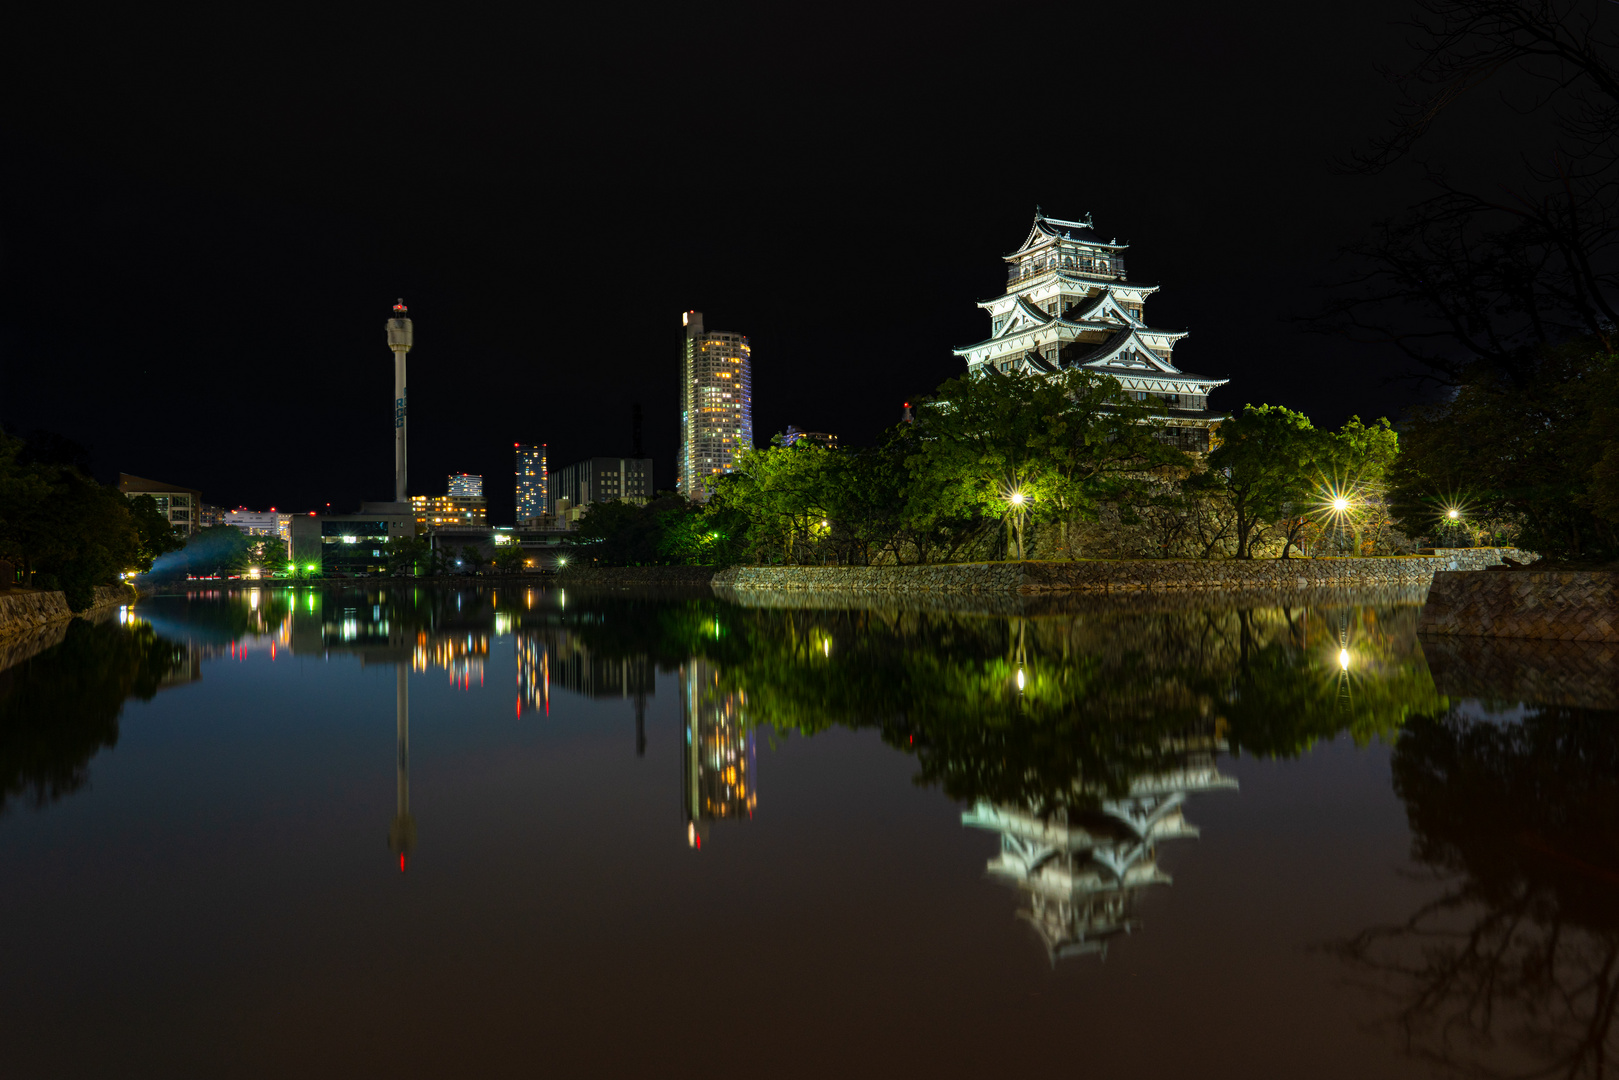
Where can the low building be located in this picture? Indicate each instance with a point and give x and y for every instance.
(348, 545)
(211, 515)
(597, 480)
(812, 438)
(181, 505)
(262, 523)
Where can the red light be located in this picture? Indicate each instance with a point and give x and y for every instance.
(401, 862)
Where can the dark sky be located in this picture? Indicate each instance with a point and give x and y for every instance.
(204, 219)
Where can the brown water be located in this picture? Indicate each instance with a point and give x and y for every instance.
(349, 833)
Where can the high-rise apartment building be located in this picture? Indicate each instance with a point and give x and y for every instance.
(531, 482)
(596, 480)
(716, 406)
(466, 484)
(825, 440)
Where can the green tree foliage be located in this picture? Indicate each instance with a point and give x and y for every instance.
(1540, 458)
(1007, 449)
(63, 526)
(1266, 465)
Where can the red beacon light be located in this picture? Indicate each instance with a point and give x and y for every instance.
(400, 307)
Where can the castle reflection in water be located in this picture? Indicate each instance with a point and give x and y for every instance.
(1077, 740)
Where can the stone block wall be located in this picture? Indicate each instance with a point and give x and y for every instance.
(21, 612)
(1556, 605)
(1121, 575)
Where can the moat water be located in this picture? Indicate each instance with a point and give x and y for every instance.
(333, 831)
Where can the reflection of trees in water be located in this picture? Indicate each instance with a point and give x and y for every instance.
(58, 709)
(1514, 969)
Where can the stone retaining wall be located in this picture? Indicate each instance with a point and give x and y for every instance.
(1535, 672)
(1556, 605)
(1120, 575)
(21, 612)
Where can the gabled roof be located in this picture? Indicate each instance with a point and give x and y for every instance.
(1049, 228)
(1117, 351)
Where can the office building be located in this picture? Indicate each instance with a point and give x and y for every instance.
(716, 408)
(600, 479)
(810, 438)
(349, 544)
(209, 515)
(181, 505)
(466, 484)
(1068, 304)
(532, 502)
(463, 504)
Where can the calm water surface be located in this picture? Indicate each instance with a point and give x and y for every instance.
(363, 832)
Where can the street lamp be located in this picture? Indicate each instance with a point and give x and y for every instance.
(1453, 513)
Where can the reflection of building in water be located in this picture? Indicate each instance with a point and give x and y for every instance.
(1082, 871)
(553, 654)
(721, 773)
(402, 833)
(462, 655)
(533, 674)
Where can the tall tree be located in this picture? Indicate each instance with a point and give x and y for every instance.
(1265, 466)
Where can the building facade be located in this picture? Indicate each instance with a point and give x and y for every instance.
(181, 505)
(716, 406)
(601, 479)
(466, 484)
(463, 504)
(349, 544)
(823, 439)
(1068, 303)
(262, 523)
(532, 496)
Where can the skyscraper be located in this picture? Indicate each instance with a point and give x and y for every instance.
(465, 484)
(716, 404)
(531, 480)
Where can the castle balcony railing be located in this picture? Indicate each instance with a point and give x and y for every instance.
(1109, 269)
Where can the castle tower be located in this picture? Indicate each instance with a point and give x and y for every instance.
(400, 338)
(1067, 304)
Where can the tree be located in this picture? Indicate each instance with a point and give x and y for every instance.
(1264, 466)
(473, 557)
(510, 559)
(409, 555)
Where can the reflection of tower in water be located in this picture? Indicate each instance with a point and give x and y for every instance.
(1082, 871)
(720, 768)
(402, 833)
(533, 674)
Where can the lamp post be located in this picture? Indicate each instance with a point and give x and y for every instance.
(1018, 502)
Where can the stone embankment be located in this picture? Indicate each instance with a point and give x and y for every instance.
(1119, 575)
(1552, 605)
(32, 621)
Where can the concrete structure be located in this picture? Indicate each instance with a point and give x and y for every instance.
(595, 480)
(1069, 305)
(401, 336)
(351, 544)
(181, 505)
(716, 404)
(813, 438)
(532, 495)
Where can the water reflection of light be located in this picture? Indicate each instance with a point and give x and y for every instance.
(533, 675)
(503, 623)
(1020, 678)
(1343, 659)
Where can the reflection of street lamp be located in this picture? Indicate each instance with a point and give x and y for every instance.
(1453, 513)
(1343, 659)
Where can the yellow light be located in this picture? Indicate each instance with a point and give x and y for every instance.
(1343, 659)
(1453, 514)
(1020, 678)
(1017, 498)
(1340, 504)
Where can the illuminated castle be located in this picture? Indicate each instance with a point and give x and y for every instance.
(1069, 304)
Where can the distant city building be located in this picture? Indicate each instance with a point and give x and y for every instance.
(350, 544)
(532, 500)
(463, 504)
(437, 511)
(814, 438)
(716, 408)
(1069, 304)
(261, 523)
(601, 479)
(210, 515)
(181, 505)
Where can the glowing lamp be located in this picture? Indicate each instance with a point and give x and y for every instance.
(1340, 504)
(1017, 498)
(1343, 659)
(1453, 513)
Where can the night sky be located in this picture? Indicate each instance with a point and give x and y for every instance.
(204, 219)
